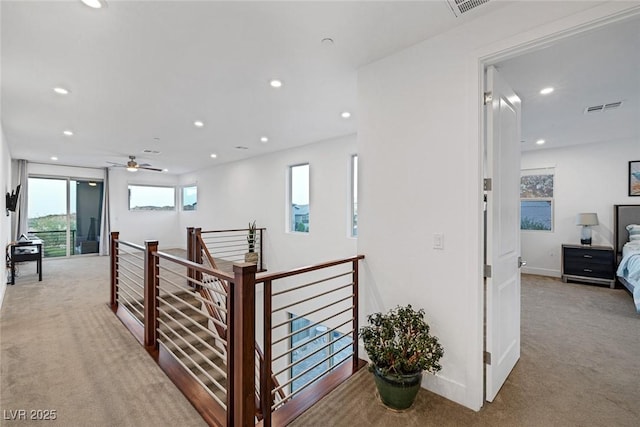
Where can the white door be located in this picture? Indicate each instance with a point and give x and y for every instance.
(503, 233)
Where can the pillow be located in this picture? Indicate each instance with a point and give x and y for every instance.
(634, 232)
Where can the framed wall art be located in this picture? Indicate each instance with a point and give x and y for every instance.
(634, 178)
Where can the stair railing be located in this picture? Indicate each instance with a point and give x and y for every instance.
(321, 300)
(310, 326)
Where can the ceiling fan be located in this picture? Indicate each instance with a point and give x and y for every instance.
(133, 166)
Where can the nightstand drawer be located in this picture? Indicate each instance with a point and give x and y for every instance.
(590, 256)
(602, 271)
(591, 263)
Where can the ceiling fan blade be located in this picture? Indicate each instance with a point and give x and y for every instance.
(116, 164)
(149, 168)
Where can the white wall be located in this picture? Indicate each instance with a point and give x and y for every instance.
(138, 226)
(6, 187)
(232, 194)
(419, 142)
(588, 178)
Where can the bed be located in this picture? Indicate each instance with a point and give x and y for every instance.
(627, 248)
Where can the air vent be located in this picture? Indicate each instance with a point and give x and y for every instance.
(602, 107)
(458, 7)
(147, 151)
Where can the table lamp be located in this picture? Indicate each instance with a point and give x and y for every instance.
(586, 220)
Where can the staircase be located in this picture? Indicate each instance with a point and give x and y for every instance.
(183, 330)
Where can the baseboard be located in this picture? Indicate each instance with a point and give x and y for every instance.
(442, 386)
(541, 272)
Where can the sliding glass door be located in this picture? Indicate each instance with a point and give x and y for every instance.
(65, 214)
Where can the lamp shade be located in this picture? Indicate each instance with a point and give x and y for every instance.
(587, 219)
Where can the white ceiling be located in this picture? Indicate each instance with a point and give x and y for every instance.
(593, 68)
(140, 74)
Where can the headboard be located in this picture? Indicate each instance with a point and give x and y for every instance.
(623, 215)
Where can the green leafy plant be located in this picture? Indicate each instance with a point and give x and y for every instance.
(251, 238)
(399, 342)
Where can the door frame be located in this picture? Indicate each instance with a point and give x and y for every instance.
(67, 179)
(519, 44)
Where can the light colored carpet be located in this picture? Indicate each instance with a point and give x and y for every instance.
(579, 366)
(62, 349)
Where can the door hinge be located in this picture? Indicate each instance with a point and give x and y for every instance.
(486, 358)
(488, 97)
(487, 184)
(487, 271)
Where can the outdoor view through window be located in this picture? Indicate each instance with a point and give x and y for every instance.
(299, 195)
(536, 200)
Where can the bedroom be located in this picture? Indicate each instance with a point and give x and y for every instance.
(588, 154)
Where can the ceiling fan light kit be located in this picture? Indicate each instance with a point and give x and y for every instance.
(133, 166)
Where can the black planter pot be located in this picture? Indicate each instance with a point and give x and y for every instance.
(397, 391)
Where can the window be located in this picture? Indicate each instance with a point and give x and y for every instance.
(65, 213)
(536, 199)
(151, 198)
(354, 195)
(189, 198)
(299, 197)
(311, 343)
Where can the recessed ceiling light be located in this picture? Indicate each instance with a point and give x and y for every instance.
(275, 83)
(345, 114)
(165, 170)
(198, 124)
(61, 91)
(68, 133)
(264, 139)
(540, 141)
(214, 155)
(54, 158)
(327, 41)
(546, 91)
(95, 4)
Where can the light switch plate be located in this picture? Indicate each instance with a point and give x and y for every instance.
(438, 241)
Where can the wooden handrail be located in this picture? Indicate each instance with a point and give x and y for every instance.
(230, 231)
(198, 267)
(245, 401)
(280, 275)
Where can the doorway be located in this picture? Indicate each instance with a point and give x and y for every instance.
(521, 71)
(65, 213)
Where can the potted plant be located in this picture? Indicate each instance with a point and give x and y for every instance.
(251, 256)
(400, 348)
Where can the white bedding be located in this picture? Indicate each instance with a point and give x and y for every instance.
(629, 269)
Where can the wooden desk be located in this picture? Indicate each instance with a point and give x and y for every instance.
(26, 251)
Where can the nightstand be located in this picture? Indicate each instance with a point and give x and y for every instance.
(589, 264)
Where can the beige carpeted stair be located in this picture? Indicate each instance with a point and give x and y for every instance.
(193, 346)
(189, 339)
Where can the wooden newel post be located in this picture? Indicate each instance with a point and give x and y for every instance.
(190, 250)
(197, 251)
(150, 295)
(113, 251)
(242, 406)
(355, 358)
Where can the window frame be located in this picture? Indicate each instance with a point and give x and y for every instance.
(550, 199)
(182, 205)
(291, 223)
(353, 200)
(173, 208)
